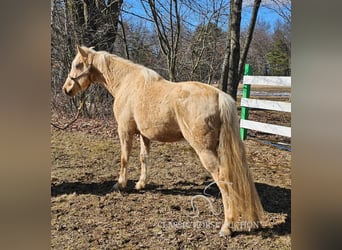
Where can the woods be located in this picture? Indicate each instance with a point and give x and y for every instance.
(182, 40)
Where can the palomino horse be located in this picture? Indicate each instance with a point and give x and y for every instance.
(156, 109)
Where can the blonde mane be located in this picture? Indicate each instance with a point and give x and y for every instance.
(149, 74)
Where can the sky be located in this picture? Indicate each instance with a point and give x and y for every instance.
(265, 14)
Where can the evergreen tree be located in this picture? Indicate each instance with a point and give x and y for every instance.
(278, 59)
(279, 56)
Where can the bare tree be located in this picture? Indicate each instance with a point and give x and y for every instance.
(206, 50)
(167, 25)
(249, 37)
(234, 60)
(259, 48)
(282, 8)
(229, 71)
(88, 22)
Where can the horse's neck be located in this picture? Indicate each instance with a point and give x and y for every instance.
(112, 73)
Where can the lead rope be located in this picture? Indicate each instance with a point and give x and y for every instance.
(75, 79)
(75, 118)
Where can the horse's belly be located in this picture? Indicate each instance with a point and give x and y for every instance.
(162, 132)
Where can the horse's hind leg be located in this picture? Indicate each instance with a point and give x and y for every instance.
(144, 151)
(211, 162)
(126, 140)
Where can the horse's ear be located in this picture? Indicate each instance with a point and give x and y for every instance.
(83, 53)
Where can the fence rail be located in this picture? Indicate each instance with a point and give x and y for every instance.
(281, 81)
(247, 102)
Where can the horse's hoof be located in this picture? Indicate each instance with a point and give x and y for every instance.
(225, 232)
(117, 187)
(139, 185)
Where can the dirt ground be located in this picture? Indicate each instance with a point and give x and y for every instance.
(85, 214)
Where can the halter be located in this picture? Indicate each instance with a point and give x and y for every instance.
(86, 72)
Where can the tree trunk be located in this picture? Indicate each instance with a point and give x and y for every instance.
(225, 65)
(233, 63)
(124, 37)
(234, 56)
(114, 15)
(249, 37)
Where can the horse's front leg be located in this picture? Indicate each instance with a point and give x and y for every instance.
(126, 140)
(144, 151)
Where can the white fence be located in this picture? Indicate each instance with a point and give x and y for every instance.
(247, 102)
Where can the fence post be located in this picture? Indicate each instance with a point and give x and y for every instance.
(245, 93)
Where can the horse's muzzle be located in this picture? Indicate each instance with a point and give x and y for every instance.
(66, 91)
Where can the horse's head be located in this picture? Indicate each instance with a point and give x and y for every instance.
(79, 78)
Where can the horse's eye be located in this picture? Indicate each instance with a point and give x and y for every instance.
(79, 66)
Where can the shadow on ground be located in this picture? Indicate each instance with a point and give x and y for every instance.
(274, 199)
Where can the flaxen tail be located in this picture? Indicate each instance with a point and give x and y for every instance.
(243, 198)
